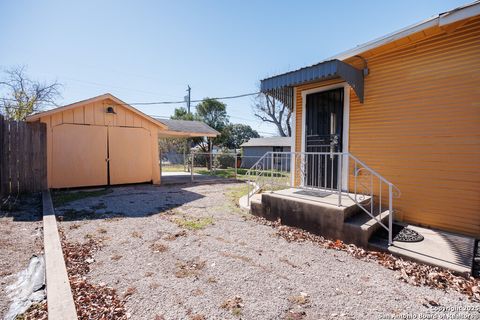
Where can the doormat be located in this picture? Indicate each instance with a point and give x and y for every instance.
(401, 234)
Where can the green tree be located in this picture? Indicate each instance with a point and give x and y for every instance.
(23, 96)
(213, 113)
(182, 114)
(234, 135)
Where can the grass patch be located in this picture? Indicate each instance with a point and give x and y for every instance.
(194, 223)
(235, 193)
(173, 168)
(158, 247)
(189, 268)
(61, 198)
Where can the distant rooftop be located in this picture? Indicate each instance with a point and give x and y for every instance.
(187, 126)
(269, 142)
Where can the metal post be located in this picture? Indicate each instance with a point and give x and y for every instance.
(339, 180)
(192, 158)
(390, 215)
(271, 168)
(235, 160)
(188, 98)
(210, 156)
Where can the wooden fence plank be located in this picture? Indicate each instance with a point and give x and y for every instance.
(5, 159)
(2, 153)
(23, 158)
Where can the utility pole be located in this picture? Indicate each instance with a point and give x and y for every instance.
(188, 98)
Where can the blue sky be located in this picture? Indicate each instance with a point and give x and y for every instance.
(143, 51)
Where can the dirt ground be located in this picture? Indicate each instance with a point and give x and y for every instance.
(20, 238)
(187, 252)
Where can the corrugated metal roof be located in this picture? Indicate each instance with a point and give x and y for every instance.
(187, 126)
(323, 70)
(318, 72)
(269, 142)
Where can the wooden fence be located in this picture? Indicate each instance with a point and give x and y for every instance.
(23, 161)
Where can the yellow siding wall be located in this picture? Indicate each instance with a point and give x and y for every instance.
(420, 127)
(94, 114)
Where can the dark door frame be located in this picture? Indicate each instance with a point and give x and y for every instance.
(345, 127)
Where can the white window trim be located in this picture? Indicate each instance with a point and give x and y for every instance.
(294, 136)
(346, 123)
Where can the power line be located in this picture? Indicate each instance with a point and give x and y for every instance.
(177, 102)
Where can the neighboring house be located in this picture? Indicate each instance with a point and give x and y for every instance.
(104, 141)
(255, 148)
(408, 106)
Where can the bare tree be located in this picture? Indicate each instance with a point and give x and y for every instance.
(21, 96)
(269, 109)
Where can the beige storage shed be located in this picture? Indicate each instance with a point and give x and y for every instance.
(103, 141)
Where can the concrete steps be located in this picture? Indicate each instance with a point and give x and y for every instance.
(319, 213)
(359, 228)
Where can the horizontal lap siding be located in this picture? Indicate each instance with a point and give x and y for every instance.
(420, 127)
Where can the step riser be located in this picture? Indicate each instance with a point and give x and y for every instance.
(324, 220)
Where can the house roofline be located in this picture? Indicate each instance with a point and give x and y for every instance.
(461, 13)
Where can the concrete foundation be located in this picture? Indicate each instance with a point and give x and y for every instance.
(317, 212)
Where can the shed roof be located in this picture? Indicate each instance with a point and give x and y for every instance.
(102, 97)
(269, 142)
(188, 128)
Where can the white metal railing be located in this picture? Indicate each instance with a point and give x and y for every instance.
(338, 173)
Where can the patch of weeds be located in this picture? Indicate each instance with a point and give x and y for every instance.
(88, 236)
(61, 198)
(197, 317)
(236, 256)
(234, 305)
(172, 212)
(212, 280)
(158, 247)
(149, 274)
(174, 236)
(197, 292)
(102, 230)
(72, 215)
(74, 226)
(99, 206)
(301, 299)
(130, 291)
(189, 268)
(136, 234)
(235, 193)
(117, 217)
(154, 285)
(194, 223)
(116, 257)
(295, 315)
(290, 263)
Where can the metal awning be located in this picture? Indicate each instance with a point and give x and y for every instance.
(281, 86)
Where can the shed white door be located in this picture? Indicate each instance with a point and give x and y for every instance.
(130, 155)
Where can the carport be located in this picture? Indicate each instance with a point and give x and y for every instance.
(104, 141)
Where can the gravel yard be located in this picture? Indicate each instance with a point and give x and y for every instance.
(187, 252)
(20, 238)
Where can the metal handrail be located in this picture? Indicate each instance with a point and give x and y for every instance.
(322, 166)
